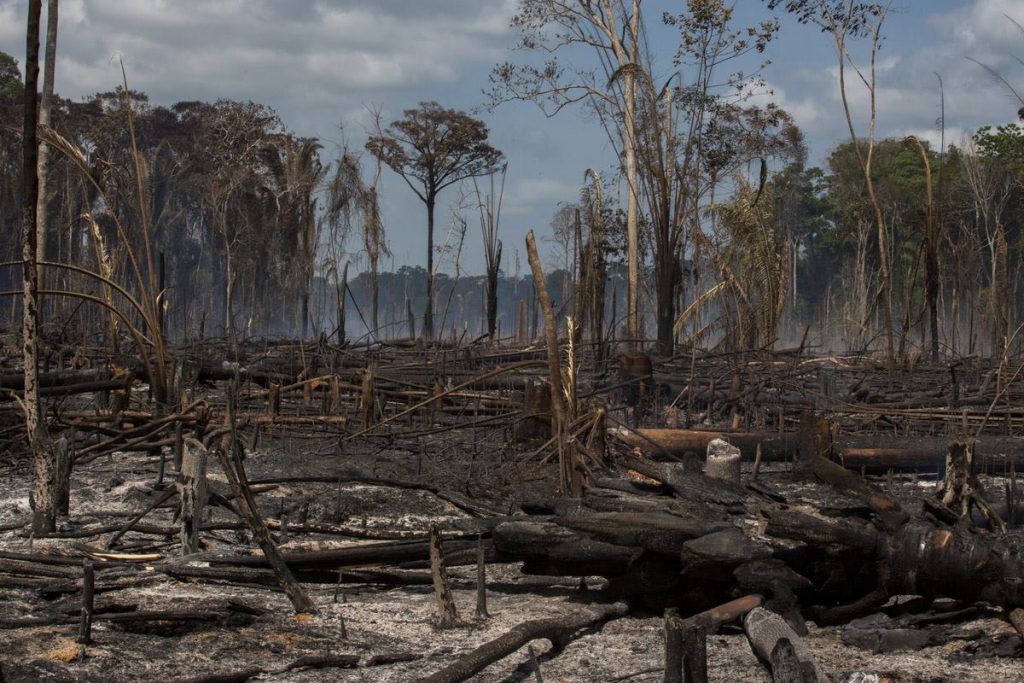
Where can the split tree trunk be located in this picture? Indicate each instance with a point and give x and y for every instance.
(569, 476)
(192, 494)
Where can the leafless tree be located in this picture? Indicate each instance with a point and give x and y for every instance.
(614, 29)
(490, 219)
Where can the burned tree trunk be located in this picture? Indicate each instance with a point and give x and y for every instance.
(232, 465)
(961, 491)
(559, 630)
(569, 476)
(447, 614)
(44, 500)
(709, 538)
(192, 494)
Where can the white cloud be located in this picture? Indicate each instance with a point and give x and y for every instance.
(908, 96)
(265, 49)
(983, 25)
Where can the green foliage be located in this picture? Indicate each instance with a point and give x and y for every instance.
(10, 78)
(855, 16)
(1005, 143)
(436, 147)
(752, 259)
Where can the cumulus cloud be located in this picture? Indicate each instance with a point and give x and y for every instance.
(276, 52)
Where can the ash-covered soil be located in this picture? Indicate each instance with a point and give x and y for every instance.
(389, 631)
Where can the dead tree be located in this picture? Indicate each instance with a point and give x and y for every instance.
(569, 477)
(44, 501)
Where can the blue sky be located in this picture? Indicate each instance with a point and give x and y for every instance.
(321, 64)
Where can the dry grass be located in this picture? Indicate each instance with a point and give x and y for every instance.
(67, 652)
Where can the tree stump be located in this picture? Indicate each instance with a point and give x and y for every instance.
(448, 616)
(723, 461)
(961, 490)
(368, 399)
(192, 494)
(63, 462)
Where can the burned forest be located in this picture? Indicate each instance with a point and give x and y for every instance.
(722, 415)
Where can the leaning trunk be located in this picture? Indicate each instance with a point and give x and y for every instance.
(342, 291)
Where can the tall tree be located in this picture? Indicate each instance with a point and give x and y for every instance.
(44, 514)
(490, 219)
(10, 79)
(698, 132)
(433, 148)
(350, 199)
(994, 173)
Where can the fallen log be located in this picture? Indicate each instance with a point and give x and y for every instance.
(559, 630)
(708, 622)
(229, 454)
(854, 451)
(766, 630)
(396, 553)
(62, 379)
(118, 617)
(678, 442)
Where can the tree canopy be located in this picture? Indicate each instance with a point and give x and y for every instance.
(10, 77)
(435, 147)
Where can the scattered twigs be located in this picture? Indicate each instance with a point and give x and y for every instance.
(157, 502)
(487, 375)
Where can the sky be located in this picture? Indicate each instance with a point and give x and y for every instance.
(324, 65)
